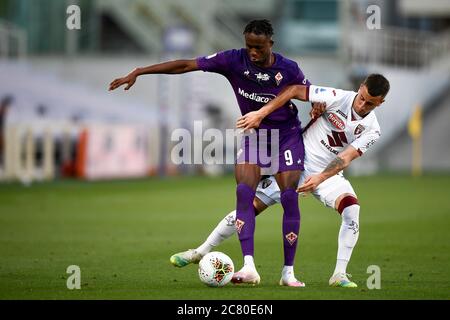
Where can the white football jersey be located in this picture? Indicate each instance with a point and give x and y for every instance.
(338, 127)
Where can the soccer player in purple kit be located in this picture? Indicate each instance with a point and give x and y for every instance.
(257, 75)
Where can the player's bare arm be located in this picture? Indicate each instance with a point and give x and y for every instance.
(299, 92)
(170, 67)
(339, 163)
(253, 119)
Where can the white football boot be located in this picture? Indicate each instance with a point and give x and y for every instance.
(341, 280)
(247, 275)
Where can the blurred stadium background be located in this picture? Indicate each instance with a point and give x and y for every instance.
(59, 122)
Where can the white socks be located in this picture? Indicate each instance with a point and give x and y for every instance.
(348, 236)
(287, 274)
(223, 231)
(341, 266)
(249, 262)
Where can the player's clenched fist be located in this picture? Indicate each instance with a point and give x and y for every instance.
(317, 109)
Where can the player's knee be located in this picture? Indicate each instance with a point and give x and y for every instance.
(288, 180)
(347, 201)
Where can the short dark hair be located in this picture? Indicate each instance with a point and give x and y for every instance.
(377, 85)
(259, 27)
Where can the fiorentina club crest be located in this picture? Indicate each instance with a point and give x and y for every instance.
(291, 237)
(359, 129)
(278, 78)
(239, 224)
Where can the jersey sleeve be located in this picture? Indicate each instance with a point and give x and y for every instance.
(330, 96)
(365, 141)
(299, 78)
(218, 62)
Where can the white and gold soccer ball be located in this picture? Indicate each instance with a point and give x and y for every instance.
(215, 269)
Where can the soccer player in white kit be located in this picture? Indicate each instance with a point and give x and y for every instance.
(344, 132)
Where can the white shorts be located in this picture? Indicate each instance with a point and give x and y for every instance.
(327, 192)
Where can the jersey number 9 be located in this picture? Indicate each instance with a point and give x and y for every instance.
(288, 157)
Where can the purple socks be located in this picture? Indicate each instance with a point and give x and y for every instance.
(245, 221)
(291, 224)
(245, 218)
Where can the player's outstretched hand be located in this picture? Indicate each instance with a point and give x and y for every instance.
(129, 80)
(318, 108)
(310, 183)
(249, 121)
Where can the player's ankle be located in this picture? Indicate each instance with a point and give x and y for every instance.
(249, 262)
(341, 266)
(204, 248)
(287, 274)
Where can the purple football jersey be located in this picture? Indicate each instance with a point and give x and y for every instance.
(255, 86)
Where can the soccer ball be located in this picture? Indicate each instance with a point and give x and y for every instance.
(215, 269)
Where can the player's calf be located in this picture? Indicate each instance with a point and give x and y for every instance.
(245, 218)
(291, 224)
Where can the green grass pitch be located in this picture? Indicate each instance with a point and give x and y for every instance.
(121, 235)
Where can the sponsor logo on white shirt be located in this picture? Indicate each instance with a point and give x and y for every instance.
(336, 121)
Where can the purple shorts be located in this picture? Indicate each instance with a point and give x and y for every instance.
(273, 150)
